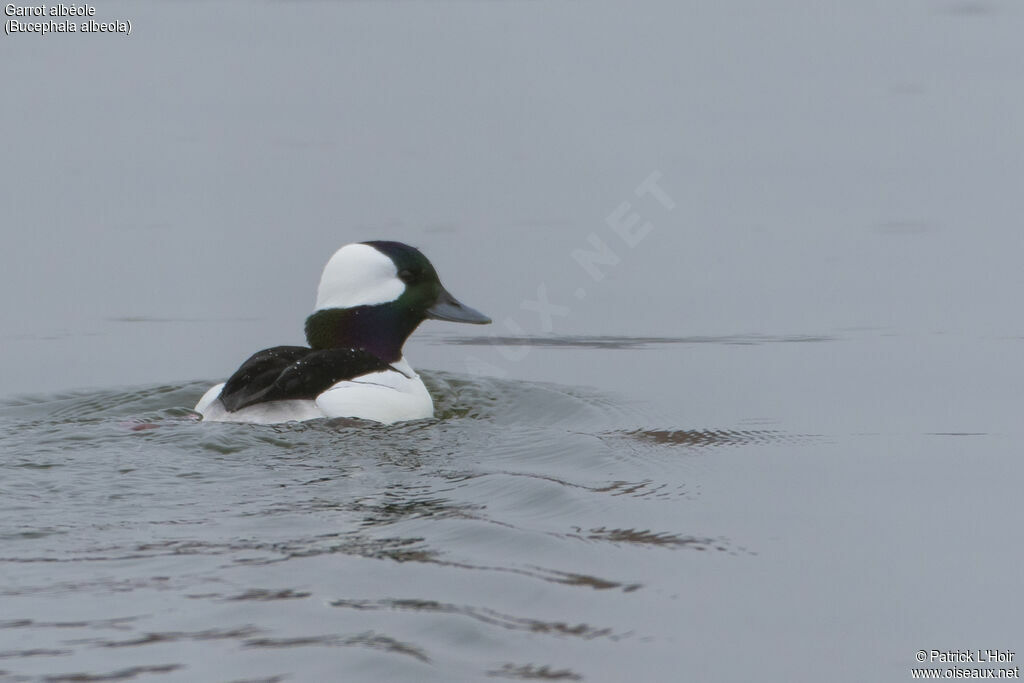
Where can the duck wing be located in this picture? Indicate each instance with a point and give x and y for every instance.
(285, 373)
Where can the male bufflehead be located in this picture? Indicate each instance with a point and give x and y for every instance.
(372, 295)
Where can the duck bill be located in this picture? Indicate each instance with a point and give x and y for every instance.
(447, 307)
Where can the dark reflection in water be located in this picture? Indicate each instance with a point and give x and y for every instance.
(174, 636)
(118, 675)
(645, 537)
(154, 319)
(632, 343)
(369, 639)
(531, 672)
(33, 653)
(119, 623)
(481, 614)
(704, 438)
(262, 595)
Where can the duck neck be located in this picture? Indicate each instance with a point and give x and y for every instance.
(381, 330)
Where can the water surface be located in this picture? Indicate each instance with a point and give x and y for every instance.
(773, 436)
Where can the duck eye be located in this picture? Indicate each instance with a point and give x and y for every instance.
(406, 276)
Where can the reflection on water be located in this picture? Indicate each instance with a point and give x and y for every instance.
(369, 639)
(616, 343)
(646, 537)
(516, 489)
(531, 672)
(701, 438)
(481, 614)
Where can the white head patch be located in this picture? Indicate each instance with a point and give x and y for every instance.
(358, 275)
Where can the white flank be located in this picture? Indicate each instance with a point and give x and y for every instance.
(386, 396)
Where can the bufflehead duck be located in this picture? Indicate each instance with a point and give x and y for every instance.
(372, 295)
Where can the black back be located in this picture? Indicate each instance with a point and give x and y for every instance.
(294, 372)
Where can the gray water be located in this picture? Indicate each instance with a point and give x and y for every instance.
(773, 436)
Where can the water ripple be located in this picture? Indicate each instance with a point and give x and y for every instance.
(561, 492)
(118, 675)
(369, 639)
(532, 672)
(482, 614)
(630, 343)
